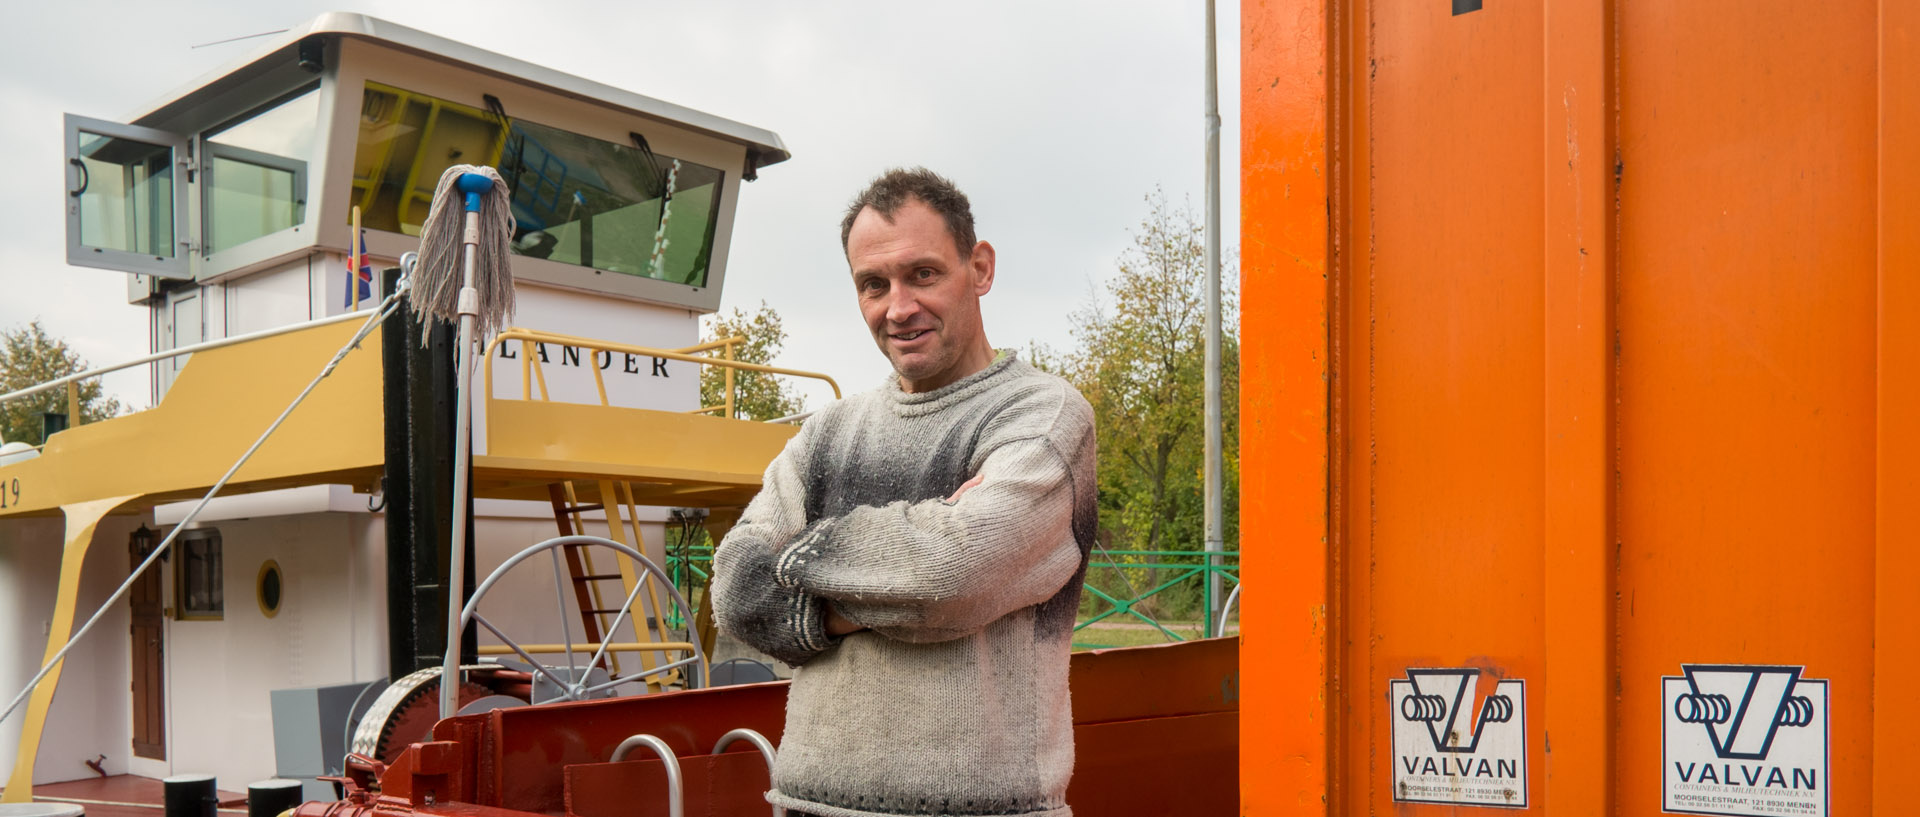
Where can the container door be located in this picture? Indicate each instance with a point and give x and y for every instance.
(126, 198)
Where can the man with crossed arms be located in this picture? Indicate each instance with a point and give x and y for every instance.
(916, 552)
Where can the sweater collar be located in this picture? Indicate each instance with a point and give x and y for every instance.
(905, 402)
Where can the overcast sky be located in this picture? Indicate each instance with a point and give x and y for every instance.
(1056, 118)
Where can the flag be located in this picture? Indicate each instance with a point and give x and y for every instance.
(362, 277)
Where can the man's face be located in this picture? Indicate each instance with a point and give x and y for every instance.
(920, 300)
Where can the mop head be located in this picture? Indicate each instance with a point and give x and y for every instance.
(435, 290)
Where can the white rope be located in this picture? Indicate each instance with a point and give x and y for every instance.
(386, 308)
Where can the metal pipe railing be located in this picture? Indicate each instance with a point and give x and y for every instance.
(407, 261)
(175, 352)
(615, 647)
(760, 742)
(1226, 611)
(676, 798)
(531, 336)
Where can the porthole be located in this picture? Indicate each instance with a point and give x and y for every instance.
(268, 588)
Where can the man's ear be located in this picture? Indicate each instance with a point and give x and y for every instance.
(981, 265)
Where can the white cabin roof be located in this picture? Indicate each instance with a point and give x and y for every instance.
(764, 146)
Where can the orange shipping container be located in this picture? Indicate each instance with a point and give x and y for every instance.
(1581, 419)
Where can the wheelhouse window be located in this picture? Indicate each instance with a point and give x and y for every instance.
(580, 200)
(256, 171)
(126, 195)
(125, 200)
(198, 583)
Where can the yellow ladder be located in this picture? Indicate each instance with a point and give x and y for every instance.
(648, 616)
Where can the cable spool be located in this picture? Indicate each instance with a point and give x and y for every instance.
(407, 709)
(1703, 708)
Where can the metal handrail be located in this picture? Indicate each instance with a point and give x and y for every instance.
(536, 336)
(760, 742)
(712, 345)
(676, 806)
(407, 261)
(176, 352)
(1226, 611)
(406, 265)
(615, 647)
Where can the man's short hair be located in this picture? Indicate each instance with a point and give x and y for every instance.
(893, 189)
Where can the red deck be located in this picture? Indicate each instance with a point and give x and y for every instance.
(122, 795)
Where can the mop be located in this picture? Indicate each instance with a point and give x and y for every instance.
(466, 234)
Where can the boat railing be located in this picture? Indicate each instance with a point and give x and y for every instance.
(760, 742)
(700, 354)
(72, 382)
(716, 353)
(676, 799)
(676, 805)
(1226, 612)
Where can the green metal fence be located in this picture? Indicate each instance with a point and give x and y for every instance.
(1113, 577)
(1161, 572)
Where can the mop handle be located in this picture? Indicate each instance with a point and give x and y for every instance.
(472, 185)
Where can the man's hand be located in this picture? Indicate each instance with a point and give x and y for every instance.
(963, 488)
(838, 625)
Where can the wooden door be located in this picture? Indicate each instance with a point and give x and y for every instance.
(149, 687)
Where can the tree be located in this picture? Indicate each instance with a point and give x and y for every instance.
(29, 357)
(1141, 363)
(757, 396)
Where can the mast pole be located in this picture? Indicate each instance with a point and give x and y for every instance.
(1215, 463)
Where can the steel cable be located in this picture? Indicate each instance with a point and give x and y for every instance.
(386, 308)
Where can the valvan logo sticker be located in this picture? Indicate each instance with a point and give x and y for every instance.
(1459, 737)
(1744, 739)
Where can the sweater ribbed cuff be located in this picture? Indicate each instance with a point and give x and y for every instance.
(810, 623)
(791, 563)
(783, 622)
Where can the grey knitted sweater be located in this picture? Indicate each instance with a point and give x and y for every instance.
(955, 701)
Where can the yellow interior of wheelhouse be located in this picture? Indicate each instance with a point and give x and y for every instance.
(576, 199)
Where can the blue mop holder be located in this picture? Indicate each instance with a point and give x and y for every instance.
(473, 184)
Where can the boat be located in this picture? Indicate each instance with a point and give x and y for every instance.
(263, 214)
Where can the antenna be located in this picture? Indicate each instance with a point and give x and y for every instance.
(237, 39)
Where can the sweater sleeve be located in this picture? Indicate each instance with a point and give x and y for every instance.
(934, 571)
(748, 604)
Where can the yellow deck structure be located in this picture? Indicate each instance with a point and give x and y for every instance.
(225, 397)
